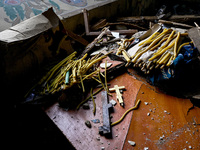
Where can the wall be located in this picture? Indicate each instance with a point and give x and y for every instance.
(16, 11)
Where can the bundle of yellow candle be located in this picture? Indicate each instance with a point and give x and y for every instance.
(159, 50)
(68, 72)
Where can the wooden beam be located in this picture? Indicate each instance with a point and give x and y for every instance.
(177, 18)
(175, 23)
(194, 34)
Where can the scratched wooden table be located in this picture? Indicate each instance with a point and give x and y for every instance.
(72, 122)
(160, 122)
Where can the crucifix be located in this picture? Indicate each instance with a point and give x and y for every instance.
(119, 95)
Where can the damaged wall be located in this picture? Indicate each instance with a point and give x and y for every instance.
(140, 7)
(15, 11)
(134, 8)
(150, 7)
(106, 11)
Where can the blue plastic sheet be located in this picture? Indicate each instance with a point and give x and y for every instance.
(177, 68)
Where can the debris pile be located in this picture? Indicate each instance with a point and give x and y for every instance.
(156, 52)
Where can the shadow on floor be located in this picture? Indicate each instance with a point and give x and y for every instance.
(29, 127)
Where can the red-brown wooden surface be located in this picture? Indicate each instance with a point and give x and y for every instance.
(169, 126)
(72, 122)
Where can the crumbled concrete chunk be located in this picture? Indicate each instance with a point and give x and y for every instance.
(113, 102)
(161, 138)
(86, 106)
(166, 112)
(103, 65)
(88, 124)
(98, 138)
(132, 143)
(95, 121)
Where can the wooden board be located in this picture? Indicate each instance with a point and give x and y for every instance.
(194, 34)
(169, 124)
(72, 122)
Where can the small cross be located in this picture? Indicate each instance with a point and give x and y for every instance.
(119, 95)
